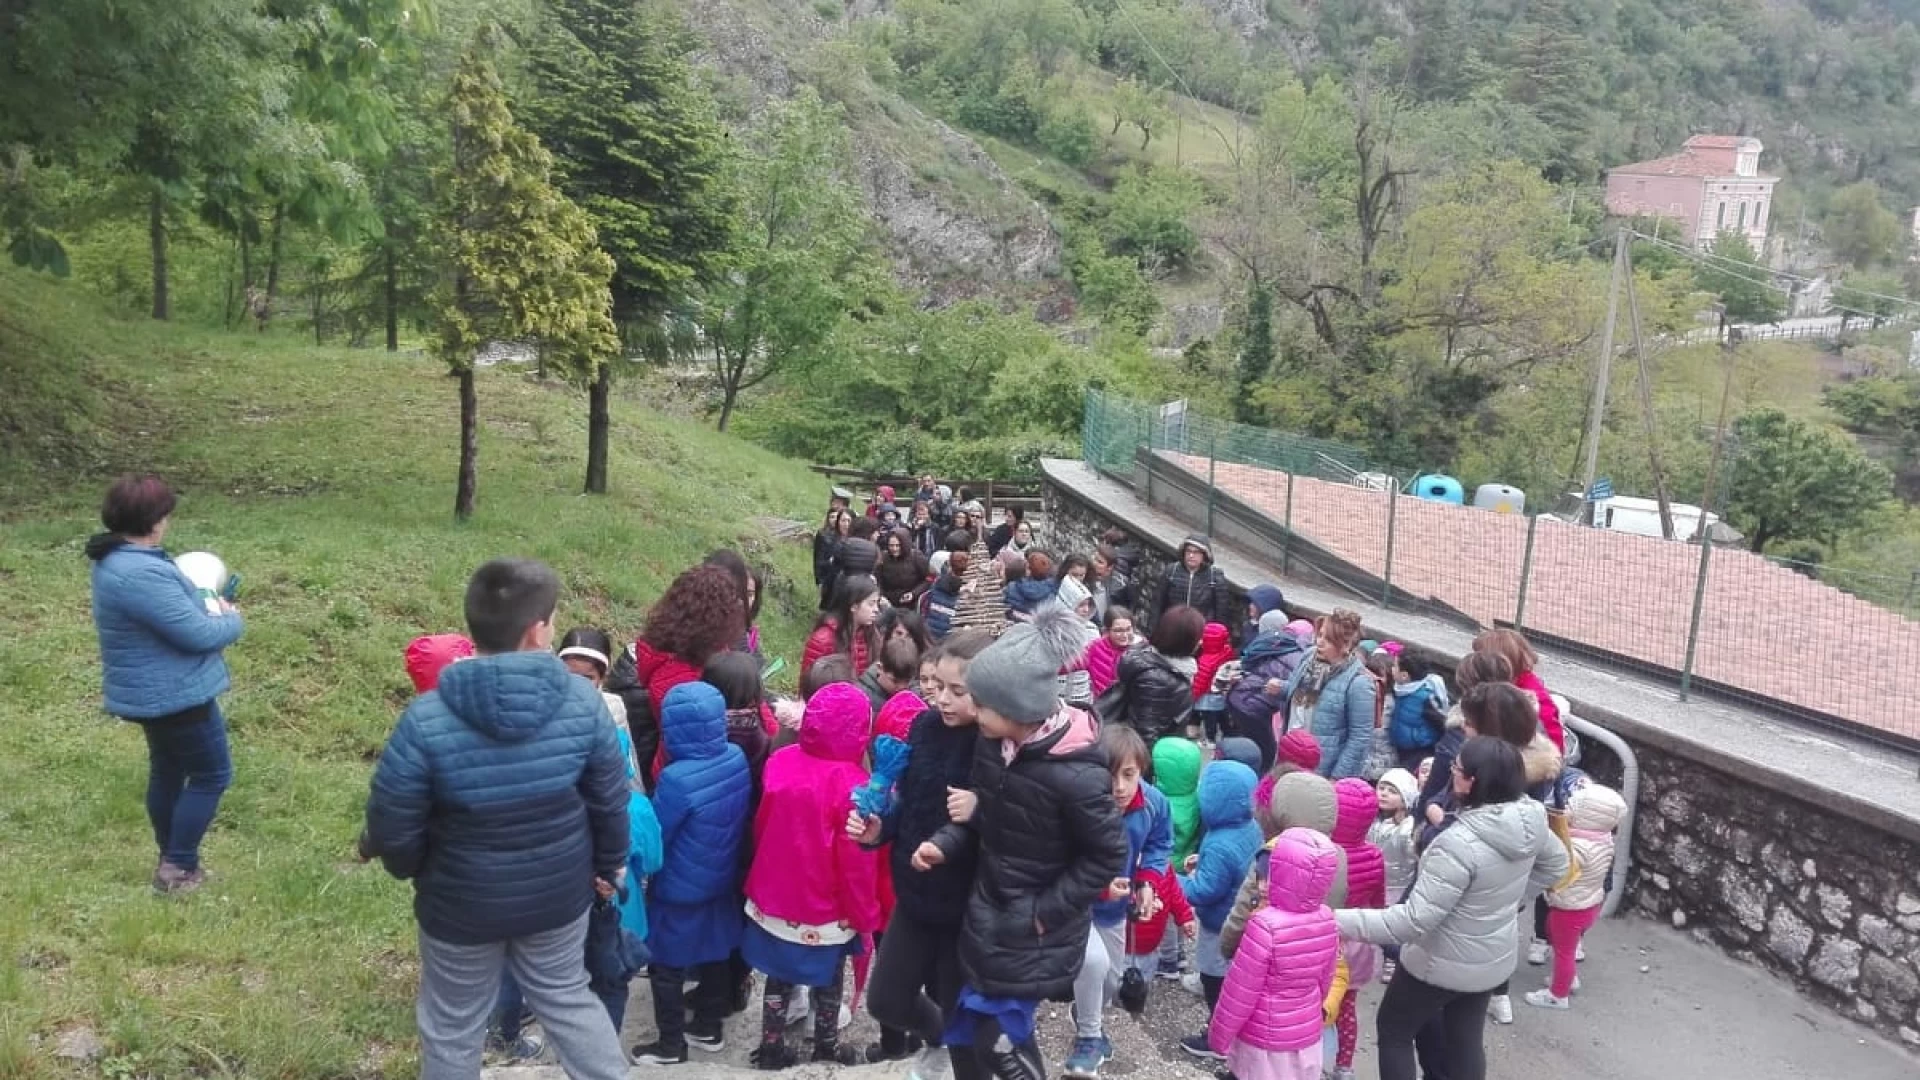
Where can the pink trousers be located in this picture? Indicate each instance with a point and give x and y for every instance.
(1564, 931)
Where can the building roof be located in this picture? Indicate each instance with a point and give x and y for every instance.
(1685, 163)
(1720, 142)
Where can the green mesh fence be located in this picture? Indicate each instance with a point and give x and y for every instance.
(1115, 428)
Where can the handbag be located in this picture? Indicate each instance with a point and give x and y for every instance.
(614, 953)
(1133, 981)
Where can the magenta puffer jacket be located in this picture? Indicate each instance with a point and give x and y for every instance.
(1358, 807)
(1277, 987)
(806, 871)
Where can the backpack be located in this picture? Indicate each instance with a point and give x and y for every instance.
(624, 683)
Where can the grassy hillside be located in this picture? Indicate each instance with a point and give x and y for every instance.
(325, 478)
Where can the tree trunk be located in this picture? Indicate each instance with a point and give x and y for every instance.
(393, 297)
(273, 264)
(599, 424)
(469, 447)
(729, 393)
(157, 239)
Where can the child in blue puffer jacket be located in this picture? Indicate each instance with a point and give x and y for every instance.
(1229, 843)
(694, 898)
(1148, 819)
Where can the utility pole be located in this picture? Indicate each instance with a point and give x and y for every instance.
(1645, 381)
(1598, 416)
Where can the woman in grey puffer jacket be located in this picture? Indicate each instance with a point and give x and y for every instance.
(1456, 930)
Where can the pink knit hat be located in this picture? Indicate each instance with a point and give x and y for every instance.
(1301, 748)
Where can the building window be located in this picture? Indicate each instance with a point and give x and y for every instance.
(1743, 218)
(1720, 216)
(1760, 215)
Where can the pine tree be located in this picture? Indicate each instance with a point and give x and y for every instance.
(638, 147)
(519, 261)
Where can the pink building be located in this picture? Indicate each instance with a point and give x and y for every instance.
(1713, 185)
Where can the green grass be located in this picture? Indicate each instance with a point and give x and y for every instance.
(325, 478)
(1201, 137)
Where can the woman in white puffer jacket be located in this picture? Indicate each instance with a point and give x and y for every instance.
(1456, 929)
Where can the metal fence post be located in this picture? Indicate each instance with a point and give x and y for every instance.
(1286, 536)
(1526, 575)
(1693, 630)
(1213, 446)
(1386, 575)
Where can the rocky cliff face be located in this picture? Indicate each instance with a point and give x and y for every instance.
(958, 226)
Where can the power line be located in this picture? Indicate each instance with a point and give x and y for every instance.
(1734, 263)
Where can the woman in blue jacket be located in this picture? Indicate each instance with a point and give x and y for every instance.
(1333, 695)
(160, 657)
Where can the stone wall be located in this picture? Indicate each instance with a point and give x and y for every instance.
(1825, 893)
(1815, 896)
(1073, 527)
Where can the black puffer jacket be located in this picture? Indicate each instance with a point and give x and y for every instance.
(1148, 694)
(1204, 590)
(903, 580)
(1050, 841)
(942, 758)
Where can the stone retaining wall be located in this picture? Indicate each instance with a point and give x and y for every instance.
(1824, 893)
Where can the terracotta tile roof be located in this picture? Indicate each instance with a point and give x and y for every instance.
(1765, 629)
(1717, 142)
(1684, 163)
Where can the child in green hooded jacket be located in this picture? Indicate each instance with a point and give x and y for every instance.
(1176, 772)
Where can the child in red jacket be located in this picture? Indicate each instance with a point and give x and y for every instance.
(812, 890)
(1143, 952)
(1216, 652)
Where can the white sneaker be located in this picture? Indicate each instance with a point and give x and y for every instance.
(1190, 982)
(845, 1019)
(1579, 952)
(1538, 951)
(799, 1006)
(1500, 1009)
(1575, 988)
(1541, 998)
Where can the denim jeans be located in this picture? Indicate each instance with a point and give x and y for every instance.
(187, 771)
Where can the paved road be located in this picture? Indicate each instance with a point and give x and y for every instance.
(1693, 1013)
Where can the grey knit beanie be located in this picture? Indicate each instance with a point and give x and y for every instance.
(1017, 676)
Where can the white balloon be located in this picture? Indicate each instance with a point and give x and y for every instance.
(208, 573)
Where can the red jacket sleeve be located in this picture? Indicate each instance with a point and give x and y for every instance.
(819, 643)
(1168, 887)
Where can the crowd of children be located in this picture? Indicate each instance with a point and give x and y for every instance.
(972, 823)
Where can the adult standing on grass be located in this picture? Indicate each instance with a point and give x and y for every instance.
(502, 795)
(160, 656)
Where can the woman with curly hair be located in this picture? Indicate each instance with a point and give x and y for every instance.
(702, 614)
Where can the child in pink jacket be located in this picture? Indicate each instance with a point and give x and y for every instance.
(1273, 1005)
(812, 890)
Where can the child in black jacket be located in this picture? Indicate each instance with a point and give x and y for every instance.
(1050, 843)
(916, 974)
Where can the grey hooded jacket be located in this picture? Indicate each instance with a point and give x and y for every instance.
(1457, 929)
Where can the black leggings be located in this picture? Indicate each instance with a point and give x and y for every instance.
(915, 979)
(1408, 1005)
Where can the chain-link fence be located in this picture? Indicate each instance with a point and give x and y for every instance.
(1815, 641)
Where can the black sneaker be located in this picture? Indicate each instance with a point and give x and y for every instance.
(656, 1054)
(836, 1053)
(1197, 1046)
(707, 1042)
(772, 1057)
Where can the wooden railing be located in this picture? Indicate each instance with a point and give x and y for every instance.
(993, 494)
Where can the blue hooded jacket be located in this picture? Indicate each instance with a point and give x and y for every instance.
(643, 846)
(501, 794)
(1228, 843)
(159, 648)
(1026, 596)
(1149, 825)
(702, 801)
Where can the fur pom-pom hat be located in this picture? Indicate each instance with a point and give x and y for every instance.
(1017, 676)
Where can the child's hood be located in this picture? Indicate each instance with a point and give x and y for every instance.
(511, 696)
(1069, 732)
(1226, 794)
(1176, 767)
(1301, 800)
(1596, 808)
(1433, 683)
(896, 717)
(1214, 639)
(836, 723)
(693, 721)
(1301, 871)
(1357, 804)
